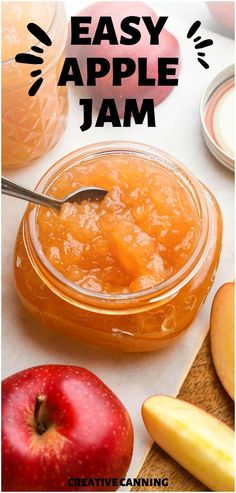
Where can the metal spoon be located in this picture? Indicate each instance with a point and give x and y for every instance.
(83, 193)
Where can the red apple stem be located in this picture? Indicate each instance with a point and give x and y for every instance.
(39, 414)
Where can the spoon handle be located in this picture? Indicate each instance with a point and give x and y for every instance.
(11, 188)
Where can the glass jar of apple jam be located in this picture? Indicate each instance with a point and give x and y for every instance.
(131, 271)
(31, 125)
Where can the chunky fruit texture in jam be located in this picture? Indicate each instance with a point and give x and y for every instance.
(140, 234)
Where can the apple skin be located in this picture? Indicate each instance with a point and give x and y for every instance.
(198, 441)
(89, 433)
(222, 336)
(224, 12)
(168, 47)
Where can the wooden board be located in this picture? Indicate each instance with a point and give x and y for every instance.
(202, 388)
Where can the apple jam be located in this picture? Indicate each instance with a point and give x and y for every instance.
(32, 125)
(139, 235)
(130, 271)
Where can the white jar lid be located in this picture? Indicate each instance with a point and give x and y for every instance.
(217, 117)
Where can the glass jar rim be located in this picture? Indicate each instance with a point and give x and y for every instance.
(10, 60)
(167, 288)
(49, 55)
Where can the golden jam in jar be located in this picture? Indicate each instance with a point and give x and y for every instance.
(31, 125)
(139, 235)
(128, 272)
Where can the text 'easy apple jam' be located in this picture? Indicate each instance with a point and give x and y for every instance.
(130, 271)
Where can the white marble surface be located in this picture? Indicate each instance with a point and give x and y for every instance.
(133, 377)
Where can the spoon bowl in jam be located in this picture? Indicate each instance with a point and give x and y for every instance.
(84, 193)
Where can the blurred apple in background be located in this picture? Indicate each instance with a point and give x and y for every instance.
(224, 13)
(61, 422)
(168, 47)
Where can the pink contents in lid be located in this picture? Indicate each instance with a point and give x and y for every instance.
(219, 116)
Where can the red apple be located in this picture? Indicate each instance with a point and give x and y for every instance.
(224, 13)
(168, 47)
(61, 422)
